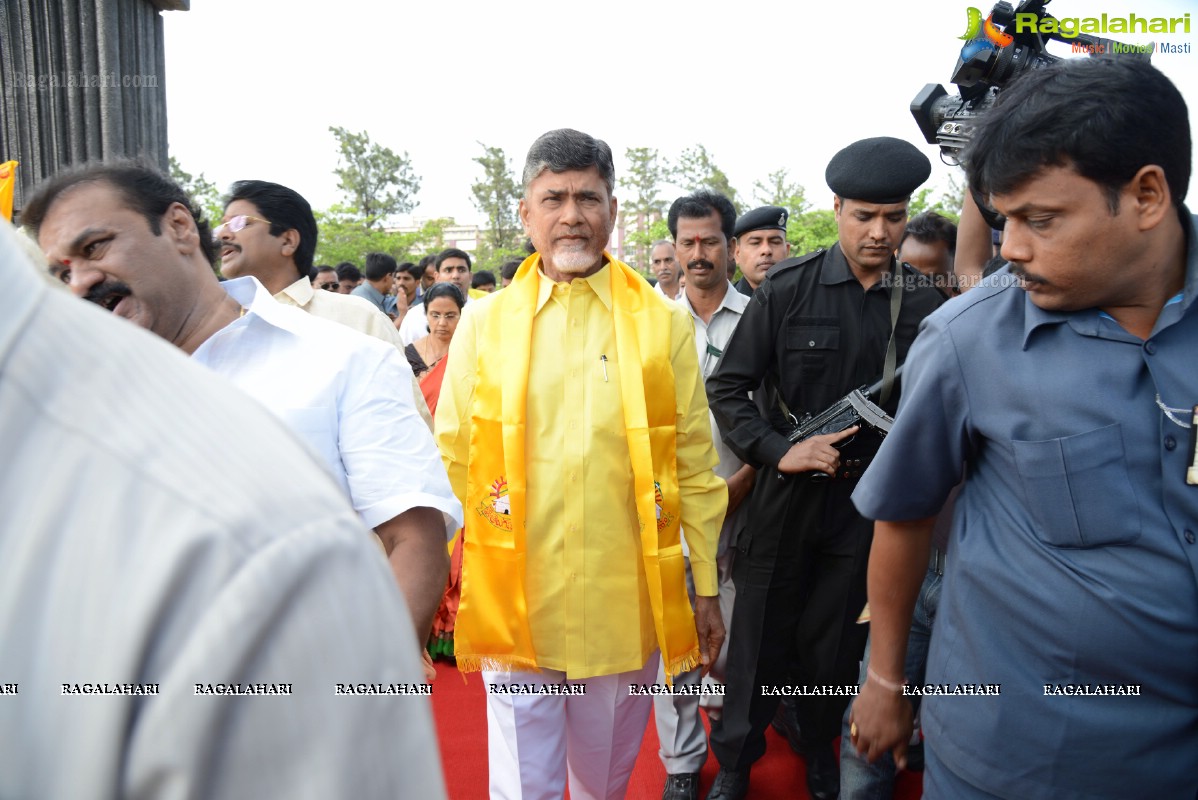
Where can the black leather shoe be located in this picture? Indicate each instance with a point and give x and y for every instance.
(784, 723)
(823, 772)
(730, 784)
(681, 786)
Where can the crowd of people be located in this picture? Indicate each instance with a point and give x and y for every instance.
(597, 491)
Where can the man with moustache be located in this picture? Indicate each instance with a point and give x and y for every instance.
(759, 242)
(277, 261)
(128, 238)
(282, 261)
(664, 264)
(701, 224)
(1067, 402)
(162, 528)
(574, 426)
(817, 327)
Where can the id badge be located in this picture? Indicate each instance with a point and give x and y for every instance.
(1192, 472)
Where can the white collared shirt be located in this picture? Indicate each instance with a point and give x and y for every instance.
(355, 313)
(711, 339)
(657, 288)
(346, 395)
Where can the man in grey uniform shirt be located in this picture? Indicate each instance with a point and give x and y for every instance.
(701, 224)
(1072, 578)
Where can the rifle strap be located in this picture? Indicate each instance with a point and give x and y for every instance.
(896, 302)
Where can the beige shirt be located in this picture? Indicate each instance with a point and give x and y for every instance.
(359, 314)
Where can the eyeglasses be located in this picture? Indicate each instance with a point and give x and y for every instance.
(236, 224)
(329, 287)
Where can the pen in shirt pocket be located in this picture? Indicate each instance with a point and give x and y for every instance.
(603, 363)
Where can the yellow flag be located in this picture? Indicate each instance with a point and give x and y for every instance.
(8, 179)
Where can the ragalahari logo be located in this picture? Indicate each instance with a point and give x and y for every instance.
(982, 35)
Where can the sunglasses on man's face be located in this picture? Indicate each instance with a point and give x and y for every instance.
(329, 287)
(235, 224)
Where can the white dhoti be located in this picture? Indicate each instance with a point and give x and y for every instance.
(535, 740)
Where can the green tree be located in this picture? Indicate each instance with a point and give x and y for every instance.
(643, 178)
(811, 230)
(497, 195)
(202, 191)
(377, 181)
(696, 170)
(947, 205)
(776, 190)
(343, 237)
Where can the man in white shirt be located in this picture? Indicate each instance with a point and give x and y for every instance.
(125, 237)
(281, 262)
(701, 224)
(453, 266)
(665, 268)
(164, 532)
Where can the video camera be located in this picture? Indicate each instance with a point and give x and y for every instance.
(985, 66)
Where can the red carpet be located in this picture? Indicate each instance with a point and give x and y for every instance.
(461, 717)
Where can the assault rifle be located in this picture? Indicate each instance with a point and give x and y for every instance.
(855, 408)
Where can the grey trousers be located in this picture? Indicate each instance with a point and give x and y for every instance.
(679, 726)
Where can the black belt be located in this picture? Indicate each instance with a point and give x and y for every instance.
(851, 468)
(936, 562)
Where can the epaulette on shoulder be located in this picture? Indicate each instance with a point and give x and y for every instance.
(797, 261)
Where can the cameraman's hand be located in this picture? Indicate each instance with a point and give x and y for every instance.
(816, 454)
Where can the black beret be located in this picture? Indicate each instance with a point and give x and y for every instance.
(759, 219)
(878, 170)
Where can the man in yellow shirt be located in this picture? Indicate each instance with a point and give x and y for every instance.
(573, 422)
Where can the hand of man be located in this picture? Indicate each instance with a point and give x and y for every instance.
(710, 626)
(881, 720)
(401, 307)
(816, 454)
(430, 671)
(739, 485)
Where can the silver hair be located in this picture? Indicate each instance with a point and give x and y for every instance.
(566, 149)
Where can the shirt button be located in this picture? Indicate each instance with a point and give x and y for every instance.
(573, 476)
(1150, 348)
(1170, 443)
(811, 344)
(1190, 537)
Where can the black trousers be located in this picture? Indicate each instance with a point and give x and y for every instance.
(800, 586)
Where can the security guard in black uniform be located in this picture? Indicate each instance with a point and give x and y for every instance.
(818, 327)
(757, 254)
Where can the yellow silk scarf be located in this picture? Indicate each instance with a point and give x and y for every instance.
(492, 631)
